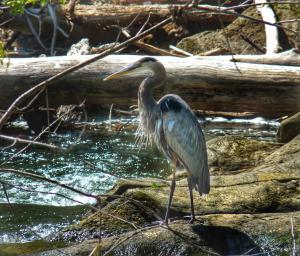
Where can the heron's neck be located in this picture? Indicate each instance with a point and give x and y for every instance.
(146, 100)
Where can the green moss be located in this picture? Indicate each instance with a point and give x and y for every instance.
(29, 248)
(156, 186)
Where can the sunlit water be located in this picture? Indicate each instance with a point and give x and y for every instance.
(114, 155)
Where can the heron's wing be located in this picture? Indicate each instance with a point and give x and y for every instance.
(184, 137)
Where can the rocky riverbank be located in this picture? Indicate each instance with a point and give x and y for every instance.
(253, 204)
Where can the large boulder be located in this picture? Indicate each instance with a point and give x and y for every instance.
(289, 128)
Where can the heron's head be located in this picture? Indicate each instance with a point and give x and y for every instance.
(146, 66)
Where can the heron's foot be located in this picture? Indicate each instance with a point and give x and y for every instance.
(161, 223)
(158, 223)
(199, 220)
(166, 222)
(192, 219)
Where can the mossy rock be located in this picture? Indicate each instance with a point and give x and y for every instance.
(289, 128)
(225, 234)
(123, 215)
(17, 249)
(228, 154)
(235, 37)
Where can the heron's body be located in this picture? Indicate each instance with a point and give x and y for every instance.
(174, 128)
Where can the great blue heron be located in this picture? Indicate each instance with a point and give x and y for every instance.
(172, 125)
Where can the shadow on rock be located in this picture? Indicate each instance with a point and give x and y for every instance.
(225, 240)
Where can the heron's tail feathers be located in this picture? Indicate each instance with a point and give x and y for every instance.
(202, 184)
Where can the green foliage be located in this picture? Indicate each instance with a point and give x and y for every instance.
(17, 6)
(2, 53)
(155, 185)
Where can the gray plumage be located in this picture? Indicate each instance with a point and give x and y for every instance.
(184, 137)
(172, 125)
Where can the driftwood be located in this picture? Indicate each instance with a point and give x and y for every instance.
(289, 58)
(206, 83)
(268, 15)
(114, 14)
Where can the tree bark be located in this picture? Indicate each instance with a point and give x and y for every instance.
(206, 83)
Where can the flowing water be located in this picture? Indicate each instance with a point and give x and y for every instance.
(113, 154)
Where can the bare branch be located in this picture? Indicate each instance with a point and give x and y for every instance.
(293, 237)
(30, 142)
(39, 177)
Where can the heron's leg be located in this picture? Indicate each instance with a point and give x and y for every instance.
(192, 200)
(173, 184)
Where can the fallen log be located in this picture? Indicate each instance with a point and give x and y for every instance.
(287, 58)
(206, 83)
(108, 14)
(290, 58)
(98, 22)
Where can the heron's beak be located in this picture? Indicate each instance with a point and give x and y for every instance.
(123, 72)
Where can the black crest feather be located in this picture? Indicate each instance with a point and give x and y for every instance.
(147, 59)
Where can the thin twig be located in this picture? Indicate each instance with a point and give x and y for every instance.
(32, 100)
(133, 21)
(7, 21)
(33, 30)
(242, 6)
(293, 237)
(109, 116)
(53, 16)
(227, 40)
(47, 106)
(30, 142)
(39, 177)
(287, 21)
(144, 25)
(185, 53)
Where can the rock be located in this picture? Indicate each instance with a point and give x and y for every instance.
(229, 154)
(242, 31)
(225, 234)
(81, 48)
(289, 128)
(250, 204)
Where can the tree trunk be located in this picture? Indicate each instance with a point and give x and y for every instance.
(206, 83)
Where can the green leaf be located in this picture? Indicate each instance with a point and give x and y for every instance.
(2, 53)
(18, 6)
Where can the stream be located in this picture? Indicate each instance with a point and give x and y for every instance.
(93, 165)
